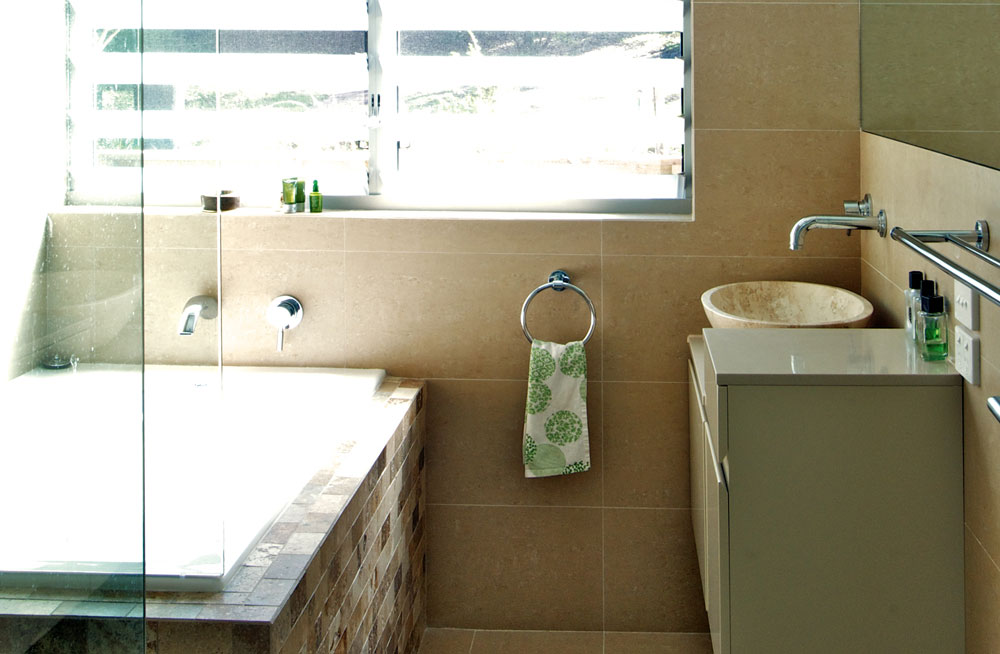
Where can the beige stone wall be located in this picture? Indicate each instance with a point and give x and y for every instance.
(920, 189)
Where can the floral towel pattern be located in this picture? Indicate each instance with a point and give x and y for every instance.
(555, 422)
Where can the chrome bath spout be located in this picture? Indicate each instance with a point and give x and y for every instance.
(834, 222)
(200, 306)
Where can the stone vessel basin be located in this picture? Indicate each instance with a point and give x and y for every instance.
(784, 304)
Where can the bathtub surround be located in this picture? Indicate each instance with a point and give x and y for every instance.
(341, 569)
(923, 190)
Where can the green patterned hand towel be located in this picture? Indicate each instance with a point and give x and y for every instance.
(555, 420)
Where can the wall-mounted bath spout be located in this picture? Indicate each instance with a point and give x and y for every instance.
(200, 306)
(862, 219)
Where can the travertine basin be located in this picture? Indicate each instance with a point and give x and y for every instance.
(784, 304)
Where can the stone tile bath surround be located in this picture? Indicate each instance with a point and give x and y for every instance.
(340, 570)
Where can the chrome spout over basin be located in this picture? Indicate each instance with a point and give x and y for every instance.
(858, 217)
(199, 306)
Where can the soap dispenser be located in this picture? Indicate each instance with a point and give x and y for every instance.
(315, 199)
(932, 329)
(911, 303)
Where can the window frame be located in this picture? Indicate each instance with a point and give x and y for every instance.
(382, 146)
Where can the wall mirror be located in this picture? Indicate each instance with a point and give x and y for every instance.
(929, 76)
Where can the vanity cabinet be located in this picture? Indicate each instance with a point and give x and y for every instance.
(826, 483)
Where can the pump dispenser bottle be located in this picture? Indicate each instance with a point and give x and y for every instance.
(315, 199)
(932, 329)
(911, 302)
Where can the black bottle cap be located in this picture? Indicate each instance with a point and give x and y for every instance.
(916, 277)
(932, 304)
(928, 287)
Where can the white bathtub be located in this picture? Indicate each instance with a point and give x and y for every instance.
(222, 455)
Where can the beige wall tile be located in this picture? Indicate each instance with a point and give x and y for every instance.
(982, 599)
(982, 461)
(656, 643)
(654, 587)
(750, 188)
(886, 298)
(282, 232)
(514, 567)
(251, 279)
(653, 303)
(190, 231)
(646, 451)
(446, 641)
(458, 315)
(484, 236)
(474, 448)
(538, 642)
(170, 278)
(746, 77)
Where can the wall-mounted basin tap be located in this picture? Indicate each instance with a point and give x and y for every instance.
(284, 312)
(858, 217)
(200, 306)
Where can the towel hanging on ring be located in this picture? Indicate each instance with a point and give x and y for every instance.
(556, 438)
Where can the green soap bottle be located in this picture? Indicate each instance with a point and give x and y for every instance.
(932, 329)
(315, 199)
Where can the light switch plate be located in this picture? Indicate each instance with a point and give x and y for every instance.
(967, 354)
(966, 306)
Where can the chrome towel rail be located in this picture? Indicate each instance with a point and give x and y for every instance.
(915, 241)
(981, 237)
(558, 281)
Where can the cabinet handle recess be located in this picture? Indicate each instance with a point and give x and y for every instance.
(719, 476)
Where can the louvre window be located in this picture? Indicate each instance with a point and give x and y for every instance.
(402, 104)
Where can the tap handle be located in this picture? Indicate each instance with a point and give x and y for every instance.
(284, 312)
(862, 207)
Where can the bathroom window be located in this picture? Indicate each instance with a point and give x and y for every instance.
(416, 104)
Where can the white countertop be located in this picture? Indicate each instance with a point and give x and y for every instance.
(836, 357)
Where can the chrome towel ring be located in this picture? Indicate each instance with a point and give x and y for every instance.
(559, 281)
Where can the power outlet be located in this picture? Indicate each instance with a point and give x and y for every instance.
(966, 306)
(967, 354)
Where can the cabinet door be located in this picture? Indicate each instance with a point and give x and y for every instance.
(716, 547)
(698, 469)
(846, 519)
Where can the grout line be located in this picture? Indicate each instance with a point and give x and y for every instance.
(559, 506)
(982, 547)
(472, 643)
(603, 466)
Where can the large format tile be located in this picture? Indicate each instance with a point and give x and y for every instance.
(538, 642)
(514, 567)
(651, 580)
(617, 642)
(446, 641)
(251, 279)
(982, 461)
(982, 599)
(646, 449)
(775, 66)
(171, 277)
(282, 232)
(458, 315)
(474, 451)
(750, 187)
(490, 236)
(651, 304)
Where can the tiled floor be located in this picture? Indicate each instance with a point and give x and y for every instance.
(474, 641)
